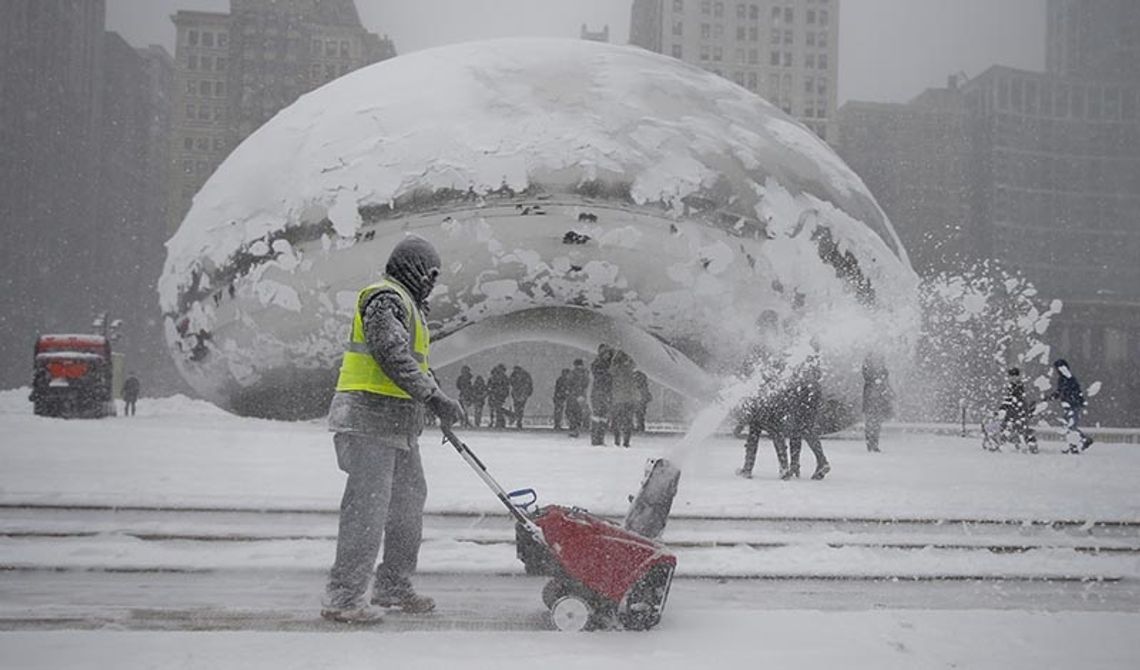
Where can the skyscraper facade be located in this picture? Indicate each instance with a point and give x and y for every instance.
(1097, 38)
(787, 51)
(234, 71)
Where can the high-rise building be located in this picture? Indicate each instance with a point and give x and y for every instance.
(785, 50)
(234, 71)
(916, 158)
(50, 53)
(1097, 38)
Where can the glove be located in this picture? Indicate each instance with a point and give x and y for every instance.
(448, 410)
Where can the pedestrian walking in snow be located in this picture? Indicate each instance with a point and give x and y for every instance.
(576, 407)
(877, 397)
(1072, 399)
(806, 399)
(478, 398)
(130, 394)
(1016, 415)
(463, 385)
(377, 417)
(601, 390)
(625, 397)
(561, 394)
(643, 400)
(498, 390)
(522, 387)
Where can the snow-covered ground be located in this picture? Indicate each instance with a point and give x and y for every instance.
(210, 470)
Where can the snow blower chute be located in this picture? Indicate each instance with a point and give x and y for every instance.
(602, 576)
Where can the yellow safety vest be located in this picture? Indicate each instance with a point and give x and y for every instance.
(359, 371)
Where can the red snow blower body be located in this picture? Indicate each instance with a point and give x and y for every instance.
(602, 576)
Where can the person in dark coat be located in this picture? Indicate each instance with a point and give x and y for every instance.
(498, 390)
(876, 399)
(522, 387)
(1015, 414)
(463, 385)
(561, 393)
(601, 395)
(130, 394)
(1072, 399)
(625, 397)
(765, 412)
(477, 398)
(806, 397)
(643, 400)
(576, 408)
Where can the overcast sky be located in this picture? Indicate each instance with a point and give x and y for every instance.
(890, 50)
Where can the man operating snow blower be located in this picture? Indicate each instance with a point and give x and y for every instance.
(377, 417)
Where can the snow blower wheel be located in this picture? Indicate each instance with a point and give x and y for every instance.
(570, 614)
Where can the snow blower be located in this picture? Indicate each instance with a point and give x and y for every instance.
(602, 576)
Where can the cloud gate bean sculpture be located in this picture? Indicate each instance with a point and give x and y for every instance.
(577, 192)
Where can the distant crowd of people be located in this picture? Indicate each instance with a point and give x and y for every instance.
(611, 396)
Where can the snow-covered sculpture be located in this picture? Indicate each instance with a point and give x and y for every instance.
(577, 192)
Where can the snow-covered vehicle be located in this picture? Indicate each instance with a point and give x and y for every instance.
(72, 376)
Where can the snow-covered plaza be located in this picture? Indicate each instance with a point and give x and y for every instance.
(190, 536)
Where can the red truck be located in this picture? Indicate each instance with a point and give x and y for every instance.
(72, 376)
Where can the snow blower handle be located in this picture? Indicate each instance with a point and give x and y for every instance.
(520, 518)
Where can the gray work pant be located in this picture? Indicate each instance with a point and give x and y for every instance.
(383, 500)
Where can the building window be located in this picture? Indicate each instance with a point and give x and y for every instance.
(753, 81)
(203, 113)
(704, 52)
(718, 10)
(203, 144)
(718, 54)
(219, 113)
(809, 111)
(822, 61)
(220, 64)
(787, 59)
(821, 86)
(219, 144)
(677, 52)
(821, 110)
(188, 143)
(809, 18)
(822, 132)
(192, 38)
(738, 78)
(753, 56)
(192, 62)
(187, 167)
(741, 33)
(754, 12)
(191, 87)
(776, 14)
(207, 39)
(823, 17)
(207, 63)
(706, 31)
(753, 34)
(315, 47)
(706, 7)
(202, 167)
(774, 58)
(678, 28)
(789, 15)
(809, 85)
(204, 89)
(809, 61)
(678, 6)
(789, 37)
(774, 37)
(718, 31)
(191, 111)
(330, 72)
(330, 48)
(344, 49)
(809, 39)
(822, 41)
(223, 40)
(220, 88)
(741, 57)
(741, 11)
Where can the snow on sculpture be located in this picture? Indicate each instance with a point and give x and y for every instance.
(578, 192)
